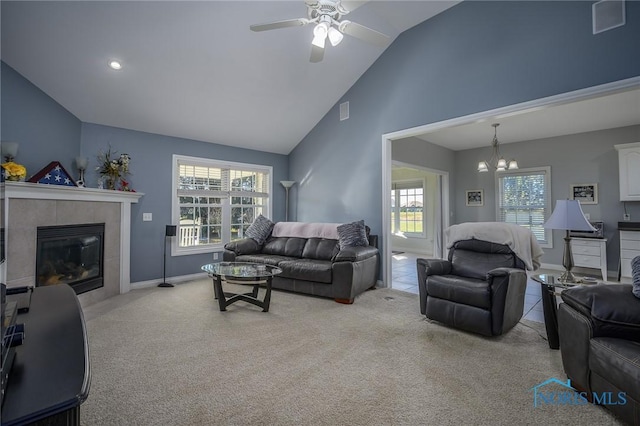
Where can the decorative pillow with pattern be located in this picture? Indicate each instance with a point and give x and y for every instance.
(635, 273)
(260, 229)
(352, 235)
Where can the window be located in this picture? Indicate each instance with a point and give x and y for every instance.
(215, 201)
(523, 199)
(407, 202)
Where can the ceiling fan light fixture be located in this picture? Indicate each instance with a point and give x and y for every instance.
(318, 41)
(321, 30)
(335, 36)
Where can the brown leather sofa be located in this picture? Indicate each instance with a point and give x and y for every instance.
(599, 328)
(480, 288)
(314, 266)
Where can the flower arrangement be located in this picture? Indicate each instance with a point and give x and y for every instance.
(14, 171)
(112, 170)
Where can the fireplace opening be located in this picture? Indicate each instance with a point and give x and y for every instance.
(71, 254)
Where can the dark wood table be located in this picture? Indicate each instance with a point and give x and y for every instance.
(253, 274)
(51, 376)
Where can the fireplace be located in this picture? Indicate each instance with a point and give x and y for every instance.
(71, 254)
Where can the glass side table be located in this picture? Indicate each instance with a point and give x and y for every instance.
(551, 288)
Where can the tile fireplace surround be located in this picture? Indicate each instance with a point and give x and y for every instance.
(28, 206)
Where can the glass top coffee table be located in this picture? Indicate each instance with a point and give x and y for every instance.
(253, 274)
(552, 287)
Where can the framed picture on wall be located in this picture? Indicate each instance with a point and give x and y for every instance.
(475, 197)
(586, 193)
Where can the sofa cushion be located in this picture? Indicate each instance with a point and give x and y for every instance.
(284, 246)
(260, 229)
(320, 248)
(612, 308)
(307, 269)
(618, 361)
(467, 291)
(267, 259)
(353, 234)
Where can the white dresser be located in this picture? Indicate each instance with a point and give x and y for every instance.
(590, 253)
(629, 248)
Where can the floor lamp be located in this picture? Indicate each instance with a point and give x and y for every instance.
(568, 216)
(170, 231)
(287, 184)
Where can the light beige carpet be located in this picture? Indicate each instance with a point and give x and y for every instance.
(168, 356)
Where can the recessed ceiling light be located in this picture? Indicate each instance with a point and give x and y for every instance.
(115, 65)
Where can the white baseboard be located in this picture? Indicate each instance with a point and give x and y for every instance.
(171, 280)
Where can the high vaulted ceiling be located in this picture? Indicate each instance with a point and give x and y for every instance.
(194, 69)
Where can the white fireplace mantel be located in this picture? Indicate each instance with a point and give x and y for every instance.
(24, 190)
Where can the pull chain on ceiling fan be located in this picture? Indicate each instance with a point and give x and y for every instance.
(327, 17)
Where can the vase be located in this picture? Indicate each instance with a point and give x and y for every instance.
(111, 182)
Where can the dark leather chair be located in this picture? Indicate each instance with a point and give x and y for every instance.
(599, 328)
(480, 288)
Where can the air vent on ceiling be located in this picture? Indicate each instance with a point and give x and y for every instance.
(607, 14)
(344, 111)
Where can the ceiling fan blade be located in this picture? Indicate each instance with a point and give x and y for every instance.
(317, 53)
(280, 24)
(364, 33)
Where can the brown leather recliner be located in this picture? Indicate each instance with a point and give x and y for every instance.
(480, 288)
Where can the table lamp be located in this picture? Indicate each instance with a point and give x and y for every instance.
(568, 215)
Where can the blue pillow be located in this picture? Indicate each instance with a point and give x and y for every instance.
(635, 272)
(260, 229)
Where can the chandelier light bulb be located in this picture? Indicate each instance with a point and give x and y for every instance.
(483, 166)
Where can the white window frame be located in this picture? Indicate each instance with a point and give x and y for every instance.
(546, 170)
(396, 209)
(176, 250)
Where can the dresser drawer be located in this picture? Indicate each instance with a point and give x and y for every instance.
(630, 235)
(586, 261)
(629, 245)
(629, 254)
(625, 268)
(587, 250)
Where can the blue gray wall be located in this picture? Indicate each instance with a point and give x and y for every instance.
(473, 57)
(47, 132)
(44, 129)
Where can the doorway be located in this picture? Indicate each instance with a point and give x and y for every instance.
(416, 220)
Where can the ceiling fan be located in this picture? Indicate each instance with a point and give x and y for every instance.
(327, 16)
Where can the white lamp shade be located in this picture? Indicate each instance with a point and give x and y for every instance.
(335, 36)
(287, 183)
(513, 164)
(483, 166)
(568, 215)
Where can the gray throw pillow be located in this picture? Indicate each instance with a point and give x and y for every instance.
(352, 235)
(635, 272)
(260, 229)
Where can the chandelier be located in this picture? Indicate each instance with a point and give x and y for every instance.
(497, 161)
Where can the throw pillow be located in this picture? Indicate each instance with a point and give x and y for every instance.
(635, 272)
(352, 235)
(260, 229)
